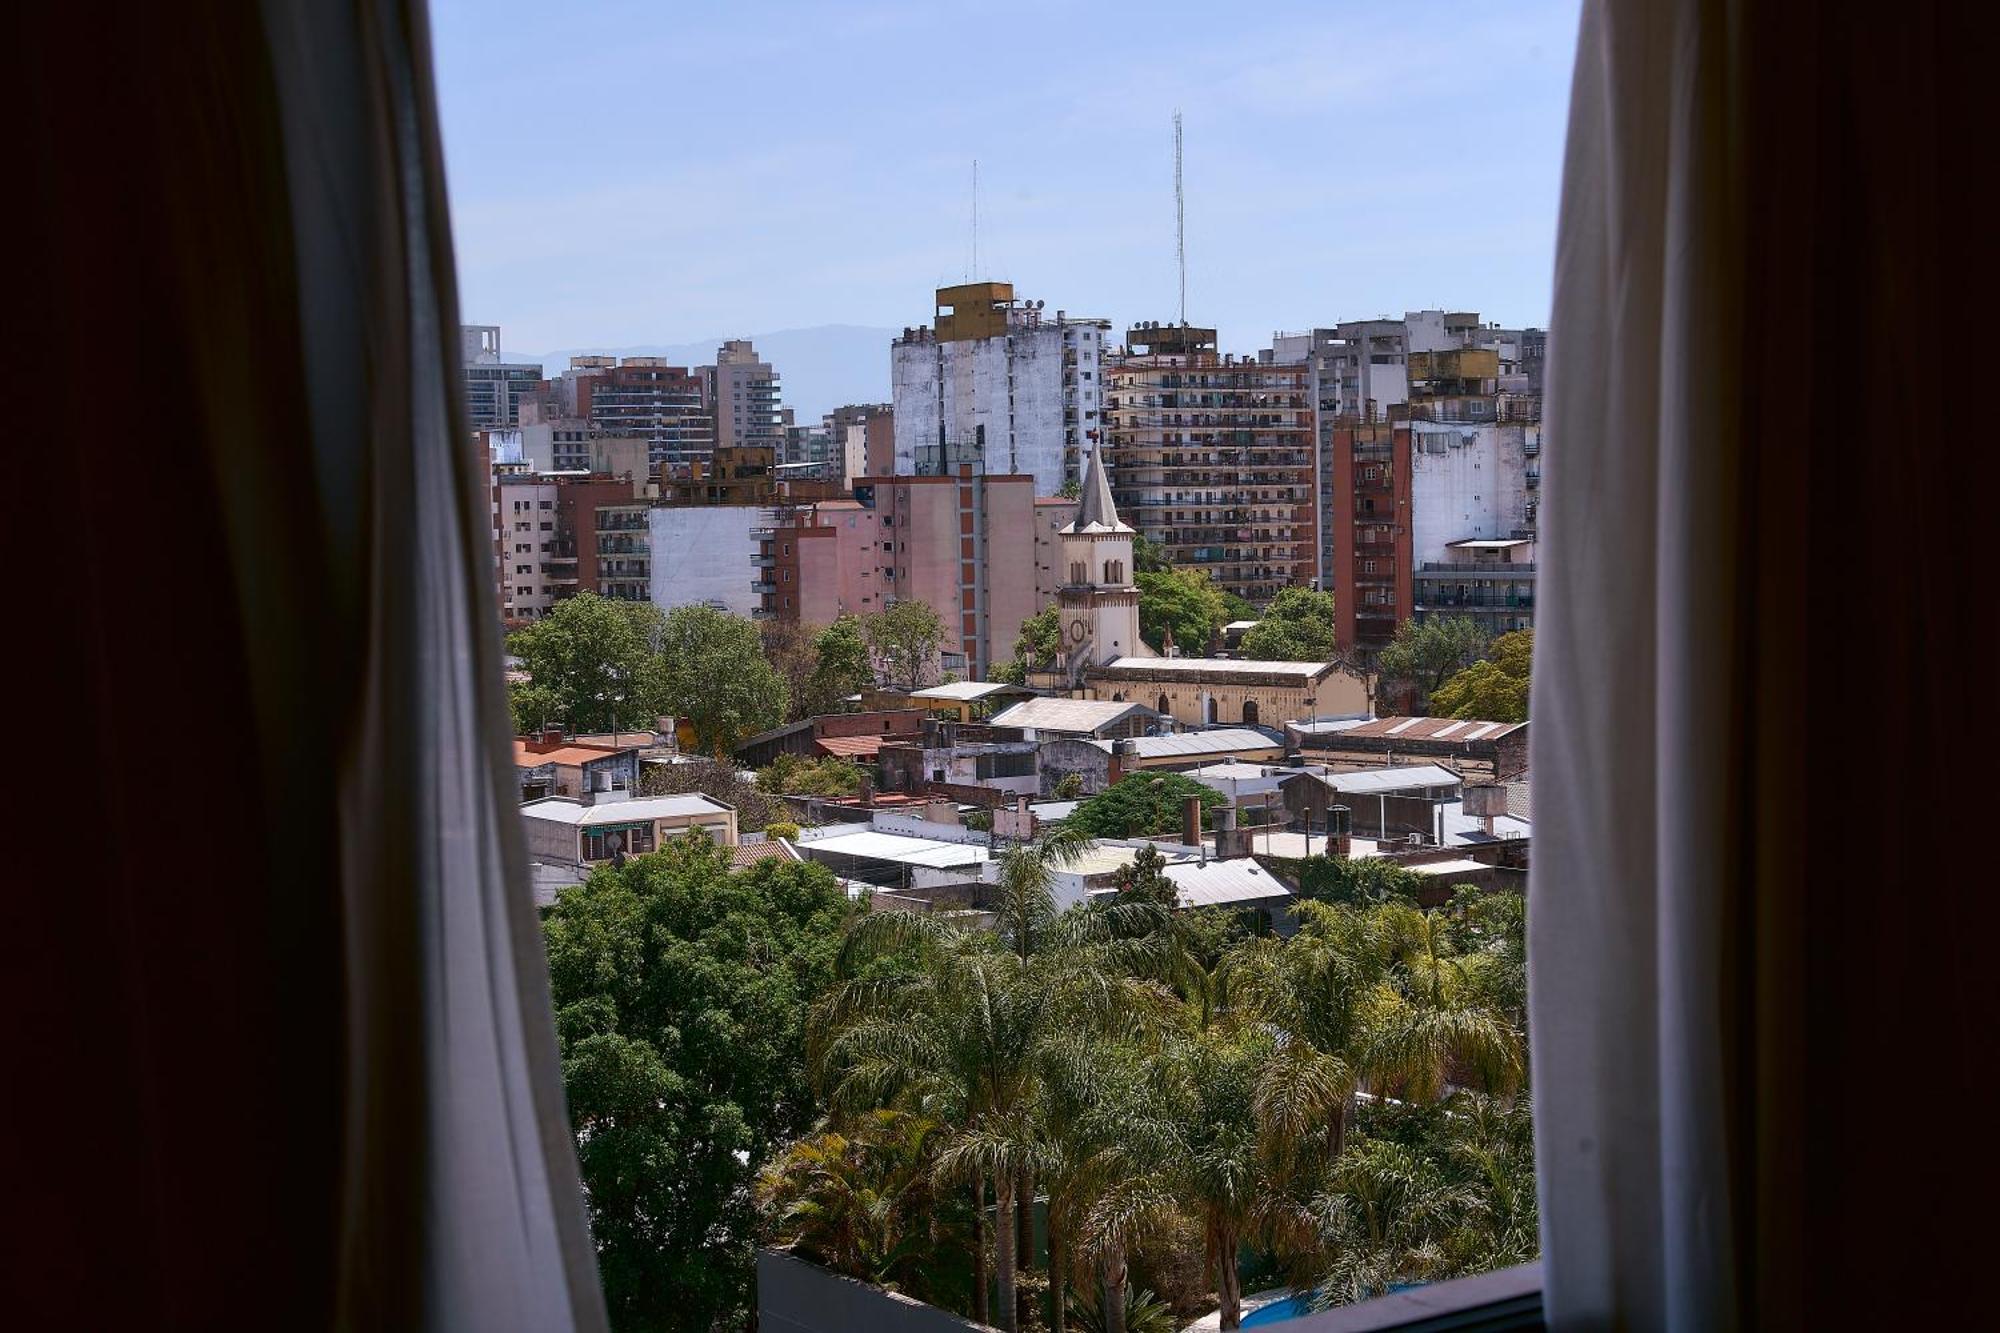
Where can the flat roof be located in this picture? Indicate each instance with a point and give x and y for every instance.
(1222, 740)
(1370, 780)
(1044, 714)
(965, 691)
(562, 810)
(1220, 883)
(1246, 666)
(1448, 867)
(1488, 543)
(873, 845)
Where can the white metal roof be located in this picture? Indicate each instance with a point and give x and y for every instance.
(1083, 715)
(965, 691)
(1224, 740)
(1372, 780)
(1449, 867)
(1246, 666)
(1223, 882)
(874, 846)
(1320, 726)
(562, 810)
(1488, 544)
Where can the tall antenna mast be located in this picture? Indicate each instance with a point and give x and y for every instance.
(974, 275)
(1180, 217)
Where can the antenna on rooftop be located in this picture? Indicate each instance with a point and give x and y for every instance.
(1180, 217)
(973, 276)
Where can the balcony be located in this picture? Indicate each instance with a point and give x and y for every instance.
(762, 585)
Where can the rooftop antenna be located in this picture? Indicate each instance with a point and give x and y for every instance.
(1180, 217)
(974, 275)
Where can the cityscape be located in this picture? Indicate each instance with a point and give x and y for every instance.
(1098, 666)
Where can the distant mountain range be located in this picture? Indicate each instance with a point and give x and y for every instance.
(821, 368)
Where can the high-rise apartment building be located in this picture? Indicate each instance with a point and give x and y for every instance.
(1433, 512)
(645, 398)
(555, 536)
(959, 539)
(999, 369)
(1211, 457)
(745, 394)
(494, 386)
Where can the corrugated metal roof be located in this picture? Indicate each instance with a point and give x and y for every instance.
(562, 810)
(965, 691)
(1220, 883)
(570, 756)
(1080, 715)
(1433, 728)
(846, 746)
(1226, 740)
(1449, 867)
(1371, 780)
(874, 846)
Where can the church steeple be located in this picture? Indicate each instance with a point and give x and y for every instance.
(1097, 513)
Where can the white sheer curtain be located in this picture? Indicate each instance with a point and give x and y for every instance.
(1632, 690)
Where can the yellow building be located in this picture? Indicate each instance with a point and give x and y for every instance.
(1202, 691)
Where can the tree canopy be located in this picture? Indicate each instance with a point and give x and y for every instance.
(1296, 627)
(717, 677)
(1493, 689)
(1140, 805)
(1425, 655)
(681, 992)
(1035, 648)
(906, 638)
(841, 667)
(1185, 601)
(593, 665)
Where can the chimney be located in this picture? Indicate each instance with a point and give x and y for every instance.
(867, 792)
(551, 737)
(1339, 831)
(1121, 750)
(1191, 821)
(1484, 800)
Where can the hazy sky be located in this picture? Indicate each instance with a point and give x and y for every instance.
(658, 172)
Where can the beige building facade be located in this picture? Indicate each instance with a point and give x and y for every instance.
(1201, 692)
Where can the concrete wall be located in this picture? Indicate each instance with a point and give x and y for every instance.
(701, 555)
(1465, 481)
(794, 1296)
(965, 384)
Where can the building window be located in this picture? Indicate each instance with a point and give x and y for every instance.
(1249, 712)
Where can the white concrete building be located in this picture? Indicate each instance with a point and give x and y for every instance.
(1472, 521)
(704, 555)
(1002, 371)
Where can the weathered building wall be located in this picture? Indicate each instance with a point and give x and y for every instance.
(702, 555)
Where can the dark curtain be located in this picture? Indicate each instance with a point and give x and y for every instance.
(1760, 923)
(282, 1050)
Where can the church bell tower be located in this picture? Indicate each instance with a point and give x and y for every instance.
(1098, 602)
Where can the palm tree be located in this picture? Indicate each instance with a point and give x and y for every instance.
(1383, 1217)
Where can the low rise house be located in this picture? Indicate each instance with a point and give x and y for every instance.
(571, 835)
(1213, 691)
(855, 736)
(963, 760)
(549, 765)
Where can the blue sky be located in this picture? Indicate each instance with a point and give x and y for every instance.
(626, 173)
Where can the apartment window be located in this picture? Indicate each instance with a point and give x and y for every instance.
(548, 527)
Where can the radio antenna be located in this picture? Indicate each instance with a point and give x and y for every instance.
(1180, 217)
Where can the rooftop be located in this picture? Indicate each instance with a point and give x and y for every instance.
(562, 810)
(903, 849)
(1431, 729)
(1223, 882)
(966, 691)
(1074, 715)
(1222, 740)
(1236, 666)
(852, 747)
(525, 756)
(1402, 778)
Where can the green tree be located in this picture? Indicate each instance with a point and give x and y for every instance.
(1147, 557)
(1424, 656)
(1493, 689)
(593, 664)
(717, 678)
(1185, 601)
(681, 993)
(1296, 627)
(905, 639)
(1141, 805)
(707, 777)
(1035, 648)
(788, 646)
(841, 667)
(794, 775)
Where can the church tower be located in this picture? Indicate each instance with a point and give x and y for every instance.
(1098, 603)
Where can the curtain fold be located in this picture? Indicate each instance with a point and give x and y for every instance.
(285, 1011)
(1754, 539)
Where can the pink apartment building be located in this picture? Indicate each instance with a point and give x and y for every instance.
(972, 546)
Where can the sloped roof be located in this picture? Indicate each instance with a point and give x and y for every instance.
(1220, 883)
(1222, 740)
(1095, 512)
(851, 747)
(1432, 729)
(967, 691)
(1081, 716)
(562, 810)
